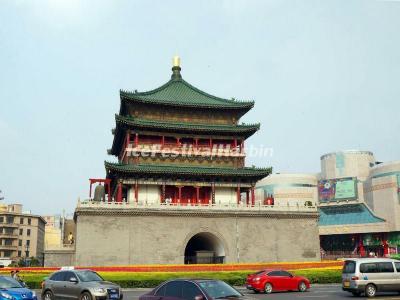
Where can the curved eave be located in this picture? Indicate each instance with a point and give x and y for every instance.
(168, 170)
(124, 123)
(229, 105)
(188, 127)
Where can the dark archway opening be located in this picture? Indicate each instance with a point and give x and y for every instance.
(204, 248)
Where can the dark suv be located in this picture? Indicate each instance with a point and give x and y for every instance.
(79, 284)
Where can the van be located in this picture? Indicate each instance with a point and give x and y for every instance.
(371, 275)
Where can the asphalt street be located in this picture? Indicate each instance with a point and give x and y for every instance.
(323, 291)
(316, 292)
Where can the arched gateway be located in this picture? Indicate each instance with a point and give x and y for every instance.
(204, 248)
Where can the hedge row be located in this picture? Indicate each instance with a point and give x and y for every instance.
(149, 280)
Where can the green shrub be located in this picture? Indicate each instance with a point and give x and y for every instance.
(152, 279)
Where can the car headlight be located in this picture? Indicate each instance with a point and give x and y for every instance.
(5, 295)
(33, 294)
(257, 279)
(100, 290)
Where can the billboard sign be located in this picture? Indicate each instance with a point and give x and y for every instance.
(337, 189)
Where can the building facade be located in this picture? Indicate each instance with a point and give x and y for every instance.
(284, 190)
(358, 199)
(180, 191)
(21, 234)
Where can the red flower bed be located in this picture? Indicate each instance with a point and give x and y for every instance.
(198, 268)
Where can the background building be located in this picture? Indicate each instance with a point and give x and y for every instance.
(21, 233)
(358, 200)
(348, 225)
(288, 190)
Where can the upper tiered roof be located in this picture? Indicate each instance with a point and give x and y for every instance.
(178, 92)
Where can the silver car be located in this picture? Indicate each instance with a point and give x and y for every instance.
(371, 275)
(79, 284)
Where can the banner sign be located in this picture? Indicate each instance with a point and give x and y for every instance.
(337, 189)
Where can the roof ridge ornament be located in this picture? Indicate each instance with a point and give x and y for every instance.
(176, 68)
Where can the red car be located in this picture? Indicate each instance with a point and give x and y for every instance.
(269, 281)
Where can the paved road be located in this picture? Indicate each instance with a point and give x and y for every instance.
(328, 292)
(323, 291)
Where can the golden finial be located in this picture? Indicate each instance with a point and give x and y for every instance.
(176, 61)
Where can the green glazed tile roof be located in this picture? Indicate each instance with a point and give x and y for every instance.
(192, 127)
(187, 170)
(178, 92)
(347, 214)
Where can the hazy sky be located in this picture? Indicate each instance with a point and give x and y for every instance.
(324, 75)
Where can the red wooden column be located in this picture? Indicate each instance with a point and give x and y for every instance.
(179, 194)
(242, 147)
(197, 194)
(196, 143)
(213, 193)
(247, 197)
(162, 142)
(136, 191)
(128, 138)
(238, 194)
(136, 140)
(210, 144)
(119, 192)
(253, 198)
(163, 193)
(235, 144)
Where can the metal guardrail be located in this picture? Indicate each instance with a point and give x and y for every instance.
(194, 206)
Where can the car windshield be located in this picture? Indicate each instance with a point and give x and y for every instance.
(219, 289)
(258, 273)
(86, 276)
(9, 283)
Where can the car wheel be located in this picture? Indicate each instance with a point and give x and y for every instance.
(268, 288)
(48, 295)
(356, 294)
(302, 287)
(370, 290)
(85, 296)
